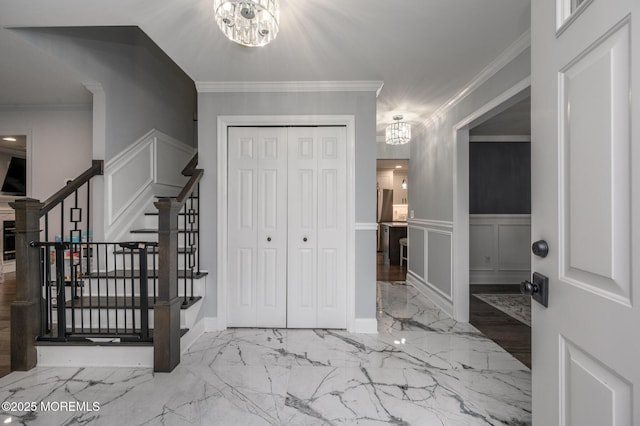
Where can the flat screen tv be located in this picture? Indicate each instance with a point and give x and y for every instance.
(15, 182)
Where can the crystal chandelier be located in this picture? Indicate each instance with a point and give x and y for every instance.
(398, 133)
(248, 22)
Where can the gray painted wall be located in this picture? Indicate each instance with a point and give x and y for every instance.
(432, 154)
(432, 167)
(58, 136)
(144, 89)
(362, 105)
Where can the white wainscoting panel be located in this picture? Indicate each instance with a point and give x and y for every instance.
(128, 178)
(171, 157)
(499, 249)
(430, 249)
(135, 176)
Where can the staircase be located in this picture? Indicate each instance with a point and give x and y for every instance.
(144, 293)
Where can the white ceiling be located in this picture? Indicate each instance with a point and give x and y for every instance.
(515, 120)
(425, 51)
(392, 164)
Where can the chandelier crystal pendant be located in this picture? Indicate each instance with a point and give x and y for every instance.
(248, 22)
(398, 133)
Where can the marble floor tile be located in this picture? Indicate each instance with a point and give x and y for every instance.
(422, 368)
(403, 308)
(338, 396)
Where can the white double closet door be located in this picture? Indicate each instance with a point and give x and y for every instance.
(287, 236)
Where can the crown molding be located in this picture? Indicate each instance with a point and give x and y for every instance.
(509, 54)
(45, 107)
(288, 86)
(499, 138)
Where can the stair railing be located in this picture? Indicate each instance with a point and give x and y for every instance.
(108, 302)
(33, 223)
(166, 341)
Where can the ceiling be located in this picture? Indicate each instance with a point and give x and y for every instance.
(424, 51)
(515, 120)
(392, 164)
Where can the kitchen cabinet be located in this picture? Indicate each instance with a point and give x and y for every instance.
(391, 234)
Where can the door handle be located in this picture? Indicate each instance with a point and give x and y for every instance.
(304, 239)
(540, 248)
(269, 239)
(538, 289)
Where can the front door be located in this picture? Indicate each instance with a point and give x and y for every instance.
(586, 205)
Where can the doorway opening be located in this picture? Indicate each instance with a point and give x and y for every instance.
(392, 212)
(500, 228)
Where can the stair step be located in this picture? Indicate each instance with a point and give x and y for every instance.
(119, 302)
(154, 250)
(155, 231)
(83, 338)
(173, 196)
(156, 214)
(121, 273)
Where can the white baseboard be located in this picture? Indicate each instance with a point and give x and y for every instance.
(431, 294)
(211, 325)
(365, 325)
(95, 356)
(498, 277)
(192, 335)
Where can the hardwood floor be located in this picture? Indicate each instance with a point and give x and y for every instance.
(7, 296)
(509, 333)
(390, 272)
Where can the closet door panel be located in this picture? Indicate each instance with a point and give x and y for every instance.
(257, 198)
(271, 279)
(332, 227)
(242, 222)
(303, 206)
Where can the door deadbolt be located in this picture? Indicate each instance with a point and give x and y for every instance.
(540, 248)
(538, 289)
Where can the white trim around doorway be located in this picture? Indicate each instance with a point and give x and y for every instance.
(460, 279)
(226, 121)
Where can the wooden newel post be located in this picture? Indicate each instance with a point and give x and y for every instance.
(166, 312)
(25, 310)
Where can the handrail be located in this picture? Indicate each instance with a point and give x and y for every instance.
(191, 166)
(97, 168)
(190, 186)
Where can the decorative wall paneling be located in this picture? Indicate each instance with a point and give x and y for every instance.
(499, 249)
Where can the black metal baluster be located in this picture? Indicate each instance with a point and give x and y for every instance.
(60, 292)
(198, 229)
(47, 277)
(133, 293)
(155, 272)
(97, 253)
(115, 288)
(62, 220)
(46, 227)
(183, 229)
(43, 291)
(144, 291)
